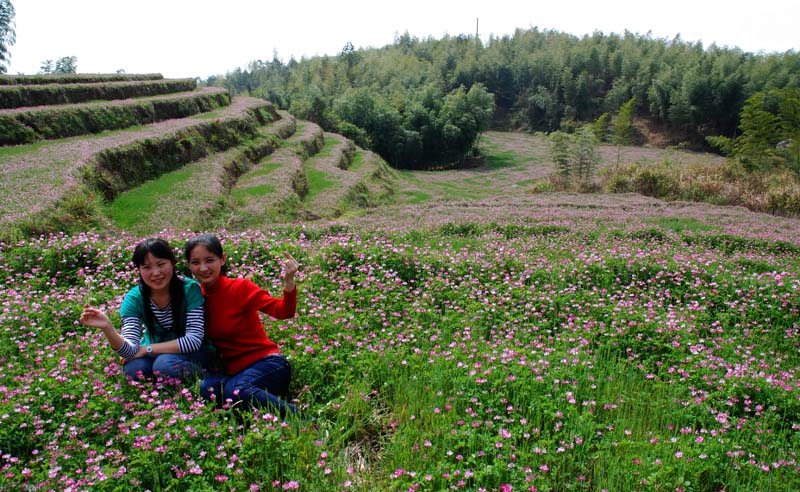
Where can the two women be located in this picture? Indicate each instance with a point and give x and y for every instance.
(175, 340)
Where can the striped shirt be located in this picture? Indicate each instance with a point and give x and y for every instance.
(190, 342)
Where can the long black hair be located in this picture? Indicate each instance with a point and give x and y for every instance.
(161, 249)
(211, 243)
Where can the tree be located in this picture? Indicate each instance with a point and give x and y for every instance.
(770, 131)
(46, 67)
(585, 155)
(8, 35)
(560, 152)
(351, 58)
(575, 154)
(64, 65)
(623, 126)
(600, 127)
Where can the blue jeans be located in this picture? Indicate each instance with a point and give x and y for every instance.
(258, 385)
(178, 366)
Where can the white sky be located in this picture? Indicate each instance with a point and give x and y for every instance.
(198, 38)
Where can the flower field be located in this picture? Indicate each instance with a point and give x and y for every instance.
(573, 349)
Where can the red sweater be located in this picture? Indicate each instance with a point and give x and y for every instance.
(234, 325)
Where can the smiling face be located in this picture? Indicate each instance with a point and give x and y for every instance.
(206, 266)
(156, 273)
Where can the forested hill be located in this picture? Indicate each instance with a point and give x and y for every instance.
(409, 100)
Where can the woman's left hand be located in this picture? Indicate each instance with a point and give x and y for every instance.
(290, 267)
(142, 352)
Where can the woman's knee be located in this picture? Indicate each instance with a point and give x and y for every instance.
(173, 366)
(211, 388)
(243, 390)
(138, 368)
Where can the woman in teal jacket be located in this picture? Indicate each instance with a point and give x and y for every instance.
(162, 318)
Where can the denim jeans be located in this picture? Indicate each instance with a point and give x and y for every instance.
(260, 384)
(179, 366)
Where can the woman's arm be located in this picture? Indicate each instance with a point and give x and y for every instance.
(124, 344)
(190, 342)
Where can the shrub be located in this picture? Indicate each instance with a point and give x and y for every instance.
(541, 186)
(783, 194)
(654, 181)
(618, 183)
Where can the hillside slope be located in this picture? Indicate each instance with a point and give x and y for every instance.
(188, 158)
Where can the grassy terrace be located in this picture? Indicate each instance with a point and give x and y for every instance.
(198, 191)
(75, 78)
(15, 96)
(26, 125)
(52, 172)
(273, 190)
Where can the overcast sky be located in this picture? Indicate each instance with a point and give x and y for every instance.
(198, 38)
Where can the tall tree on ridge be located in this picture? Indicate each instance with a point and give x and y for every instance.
(8, 35)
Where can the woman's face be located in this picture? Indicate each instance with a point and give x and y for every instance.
(156, 273)
(205, 265)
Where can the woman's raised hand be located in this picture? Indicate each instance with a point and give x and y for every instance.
(290, 267)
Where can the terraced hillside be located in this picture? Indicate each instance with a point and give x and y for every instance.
(143, 153)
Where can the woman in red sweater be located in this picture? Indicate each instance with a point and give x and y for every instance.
(255, 371)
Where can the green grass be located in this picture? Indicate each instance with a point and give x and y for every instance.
(6, 152)
(357, 162)
(502, 160)
(318, 182)
(258, 190)
(415, 196)
(264, 169)
(327, 149)
(456, 189)
(680, 224)
(132, 206)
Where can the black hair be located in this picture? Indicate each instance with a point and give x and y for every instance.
(211, 243)
(161, 249)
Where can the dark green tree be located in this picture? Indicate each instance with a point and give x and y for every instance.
(541, 80)
(770, 131)
(351, 58)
